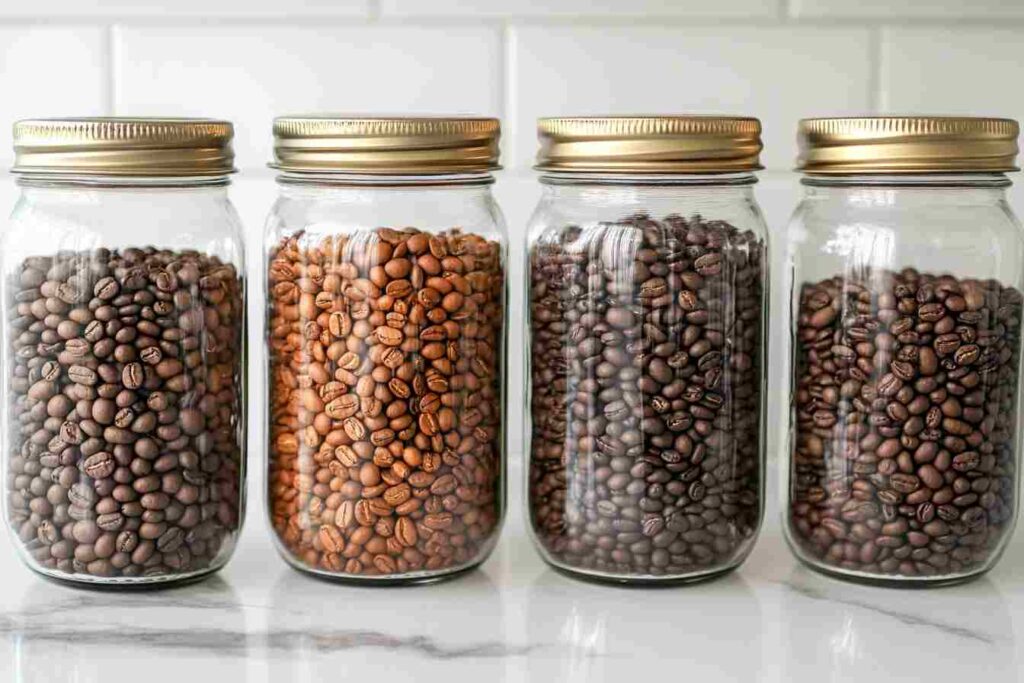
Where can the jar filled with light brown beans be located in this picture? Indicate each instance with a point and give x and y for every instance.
(385, 332)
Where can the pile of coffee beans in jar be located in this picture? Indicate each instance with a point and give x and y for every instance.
(386, 425)
(905, 403)
(125, 424)
(646, 361)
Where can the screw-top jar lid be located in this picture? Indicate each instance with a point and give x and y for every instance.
(123, 147)
(907, 144)
(649, 144)
(386, 145)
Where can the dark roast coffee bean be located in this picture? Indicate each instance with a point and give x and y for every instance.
(902, 454)
(646, 349)
(96, 457)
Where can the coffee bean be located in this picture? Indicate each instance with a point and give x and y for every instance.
(98, 459)
(645, 351)
(385, 400)
(901, 450)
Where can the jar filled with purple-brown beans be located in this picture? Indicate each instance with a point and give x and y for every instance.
(906, 266)
(123, 312)
(647, 279)
(386, 347)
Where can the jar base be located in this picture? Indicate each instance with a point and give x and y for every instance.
(884, 581)
(413, 579)
(640, 580)
(137, 584)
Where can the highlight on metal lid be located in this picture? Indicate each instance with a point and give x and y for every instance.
(907, 144)
(385, 145)
(115, 146)
(649, 144)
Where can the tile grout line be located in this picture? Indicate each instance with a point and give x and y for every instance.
(508, 94)
(784, 11)
(783, 17)
(502, 72)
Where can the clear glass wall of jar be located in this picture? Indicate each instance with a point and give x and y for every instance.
(647, 292)
(386, 326)
(907, 272)
(123, 299)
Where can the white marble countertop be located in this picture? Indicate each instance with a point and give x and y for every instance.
(513, 620)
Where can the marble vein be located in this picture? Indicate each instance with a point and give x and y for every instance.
(903, 617)
(224, 641)
(421, 645)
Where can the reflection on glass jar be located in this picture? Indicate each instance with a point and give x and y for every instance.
(647, 300)
(386, 324)
(906, 314)
(123, 297)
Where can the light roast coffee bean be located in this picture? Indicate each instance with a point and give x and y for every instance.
(905, 404)
(105, 450)
(386, 421)
(646, 345)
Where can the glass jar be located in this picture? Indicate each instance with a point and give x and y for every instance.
(647, 294)
(906, 309)
(123, 297)
(385, 332)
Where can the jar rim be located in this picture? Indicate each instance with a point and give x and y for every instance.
(980, 179)
(731, 178)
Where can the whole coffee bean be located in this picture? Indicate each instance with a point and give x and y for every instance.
(386, 420)
(646, 346)
(915, 448)
(98, 459)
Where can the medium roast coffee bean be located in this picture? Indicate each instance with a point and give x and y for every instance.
(905, 405)
(96, 460)
(386, 404)
(646, 351)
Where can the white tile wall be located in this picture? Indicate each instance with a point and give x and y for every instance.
(248, 75)
(788, 72)
(890, 9)
(960, 71)
(50, 71)
(519, 59)
(579, 8)
(117, 9)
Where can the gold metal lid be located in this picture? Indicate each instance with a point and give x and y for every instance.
(649, 144)
(123, 147)
(907, 144)
(386, 145)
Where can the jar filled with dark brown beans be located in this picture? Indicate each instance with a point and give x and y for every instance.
(123, 303)
(906, 331)
(647, 272)
(385, 334)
